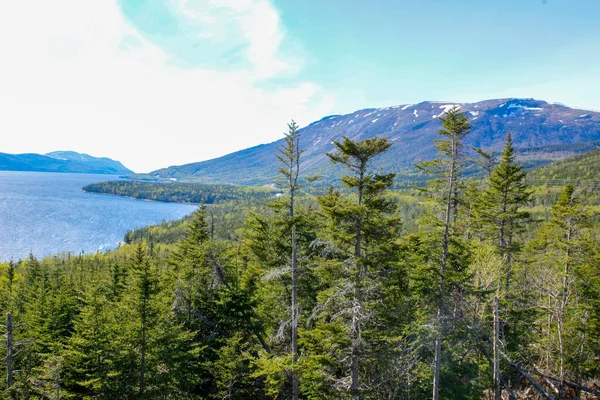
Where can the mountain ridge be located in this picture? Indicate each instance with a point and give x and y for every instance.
(533, 123)
(61, 161)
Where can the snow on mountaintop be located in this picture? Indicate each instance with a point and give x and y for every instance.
(446, 107)
(533, 123)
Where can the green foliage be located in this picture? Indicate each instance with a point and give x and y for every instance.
(177, 192)
(499, 213)
(360, 231)
(564, 270)
(581, 170)
(200, 308)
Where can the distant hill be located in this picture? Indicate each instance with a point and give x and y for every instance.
(61, 161)
(580, 170)
(542, 132)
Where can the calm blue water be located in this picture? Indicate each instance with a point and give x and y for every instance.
(46, 213)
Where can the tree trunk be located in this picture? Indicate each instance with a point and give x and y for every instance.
(562, 310)
(295, 311)
(294, 171)
(497, 383)
(440, 312)
(503, 242)
(357, 304)
(9, 350)
(527, 376)
(143, 350)
(57, 383)
(508, 263)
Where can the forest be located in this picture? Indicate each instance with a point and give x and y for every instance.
(474, 287)
(178, 192)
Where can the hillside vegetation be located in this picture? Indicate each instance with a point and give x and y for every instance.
(179, 192)
(462, 289)
(581, 170)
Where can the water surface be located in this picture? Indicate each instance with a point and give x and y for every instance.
(46, 213)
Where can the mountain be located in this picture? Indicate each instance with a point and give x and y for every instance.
(101, 163)
(61, 161)
(542, 132)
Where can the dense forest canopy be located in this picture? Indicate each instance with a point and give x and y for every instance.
(177, 192)
(468, 288)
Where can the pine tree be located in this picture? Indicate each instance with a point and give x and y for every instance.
(455, 127)
(289, 156)
(560, 256)
(92, 353)
(196, 292)
(159, 354)
(361, 229)
(500, 212)
(268, 248)
(8, 287)
(212, 300)
(485, 160)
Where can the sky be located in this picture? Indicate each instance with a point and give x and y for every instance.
(155, 83)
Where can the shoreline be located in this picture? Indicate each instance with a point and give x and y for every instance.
(141, 199)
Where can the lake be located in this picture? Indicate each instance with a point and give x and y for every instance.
(47, 213)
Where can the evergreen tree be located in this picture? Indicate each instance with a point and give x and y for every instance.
(561, 256)
(361, 231)
(289, 156)
(500, 210)
(268, 248)
(9, 281)
(214, 302)
(91, 356)
(196, 290)
(485, 161)
(455, 127)
(157, 351)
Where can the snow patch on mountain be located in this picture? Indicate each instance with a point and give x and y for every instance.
(446, 107)
(522, 107)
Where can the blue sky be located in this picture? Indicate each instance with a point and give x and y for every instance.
(162, 82)
(375, 53)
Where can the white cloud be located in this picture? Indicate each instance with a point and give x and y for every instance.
(75, 75)
(260, 24)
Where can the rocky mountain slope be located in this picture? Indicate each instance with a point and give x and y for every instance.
(541, 131)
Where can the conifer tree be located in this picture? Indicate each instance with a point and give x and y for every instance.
(91, 355)
(485, 160)
(289, 156)
(500, 212)
(8, 287)
(361, 229)
(281, 243)
(213, 301)
(455, 127)
(158, 351)
(196, 293)
(562, 257)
